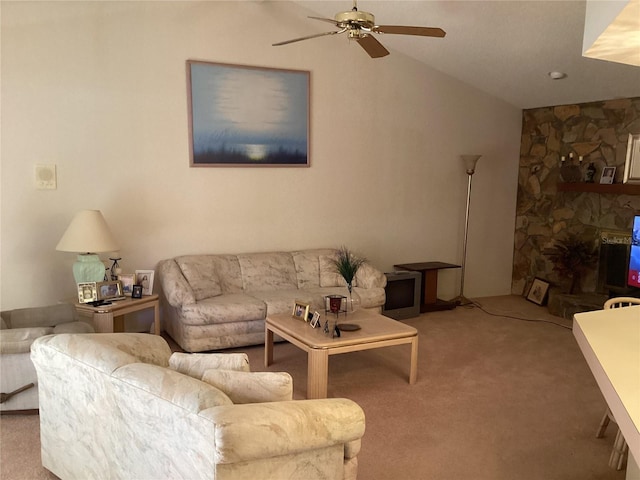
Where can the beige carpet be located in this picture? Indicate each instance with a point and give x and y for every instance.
(496, 399)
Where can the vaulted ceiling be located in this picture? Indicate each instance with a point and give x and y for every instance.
(504, 48)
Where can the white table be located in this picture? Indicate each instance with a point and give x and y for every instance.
(610, 342)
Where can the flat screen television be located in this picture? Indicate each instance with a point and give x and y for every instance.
(402, 295)
(634, 255)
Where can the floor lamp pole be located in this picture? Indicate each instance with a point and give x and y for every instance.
(470, 163)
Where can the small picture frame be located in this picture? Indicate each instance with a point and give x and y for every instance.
(136, 291)
(300, 311)
(87, 292)
(128, 281)
(315, 320)
(109, 290)
(538, 291)
(145, 279)
(607, 175)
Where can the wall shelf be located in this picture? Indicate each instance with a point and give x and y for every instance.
(616, 188)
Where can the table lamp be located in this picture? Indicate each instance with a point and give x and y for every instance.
(88, 232)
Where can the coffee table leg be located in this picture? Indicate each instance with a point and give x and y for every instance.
(317, 373)
(268, 347)
(413, 370)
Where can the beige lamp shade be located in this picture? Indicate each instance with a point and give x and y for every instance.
(88, 232)
(470, 162)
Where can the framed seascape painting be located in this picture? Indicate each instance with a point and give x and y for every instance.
(242, 116)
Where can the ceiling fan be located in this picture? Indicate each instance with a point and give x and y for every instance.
(361, 26)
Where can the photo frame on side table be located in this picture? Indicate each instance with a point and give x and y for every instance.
(145, 279)
(128, 281)
(300, 311)
(111, 290)
(87, 292)
(538, 291)
(136, 291)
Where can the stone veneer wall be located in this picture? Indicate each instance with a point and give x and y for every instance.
(597, 131)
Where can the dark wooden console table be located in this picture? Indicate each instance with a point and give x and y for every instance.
(429, 301)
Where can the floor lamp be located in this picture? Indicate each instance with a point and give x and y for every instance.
(470, 164)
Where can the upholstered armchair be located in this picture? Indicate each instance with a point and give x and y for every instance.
(19, 328)
(122, 405)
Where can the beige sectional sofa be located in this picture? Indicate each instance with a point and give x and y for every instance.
(212, 302)
(122, 406)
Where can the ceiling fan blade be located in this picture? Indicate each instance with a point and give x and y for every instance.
(328, 20)
(404, 30)
(372, 46)
(306, 38)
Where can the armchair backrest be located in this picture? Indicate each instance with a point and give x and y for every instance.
(48, 316)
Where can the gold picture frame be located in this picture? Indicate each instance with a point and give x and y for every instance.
(300, 311)
(109, 290)
(87, 292)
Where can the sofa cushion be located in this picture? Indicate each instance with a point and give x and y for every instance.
(229, 273)
(268, 271)
(200, 272)
(224, 309)
(307, 263)
(251, 387)
(182, 390)
(73, 327)
(195, 364)
(282, 301)
(329, 277)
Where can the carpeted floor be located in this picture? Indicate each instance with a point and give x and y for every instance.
(496, 399)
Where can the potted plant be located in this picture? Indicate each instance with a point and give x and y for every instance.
(347, 264)
(573, 257)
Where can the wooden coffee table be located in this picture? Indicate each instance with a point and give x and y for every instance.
(376, 331)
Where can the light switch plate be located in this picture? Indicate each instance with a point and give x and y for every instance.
(46, 177)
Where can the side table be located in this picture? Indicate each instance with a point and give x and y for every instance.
(110, 318)
(429, 301)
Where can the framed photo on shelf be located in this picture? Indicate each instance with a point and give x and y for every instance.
(144, 278)
(87, 292)
(538, 291)
(109, 290)
(128, 281)
(315, 320)
(300, 311)
(607, 175)
(136, 291)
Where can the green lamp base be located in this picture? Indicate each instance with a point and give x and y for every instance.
(88, 268)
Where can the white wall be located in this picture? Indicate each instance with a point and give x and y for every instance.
(99, 89)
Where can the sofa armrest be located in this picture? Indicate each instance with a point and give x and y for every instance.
(175, 287)
(265, 430)
(369, 276)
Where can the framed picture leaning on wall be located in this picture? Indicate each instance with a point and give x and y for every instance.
(144, 278)
(538, 291)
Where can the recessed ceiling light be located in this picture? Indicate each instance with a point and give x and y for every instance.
(557, 75)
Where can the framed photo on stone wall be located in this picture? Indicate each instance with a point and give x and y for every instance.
(538, 291)
(607, 174)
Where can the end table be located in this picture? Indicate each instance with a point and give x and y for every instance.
(429, 302)
(110, 318)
